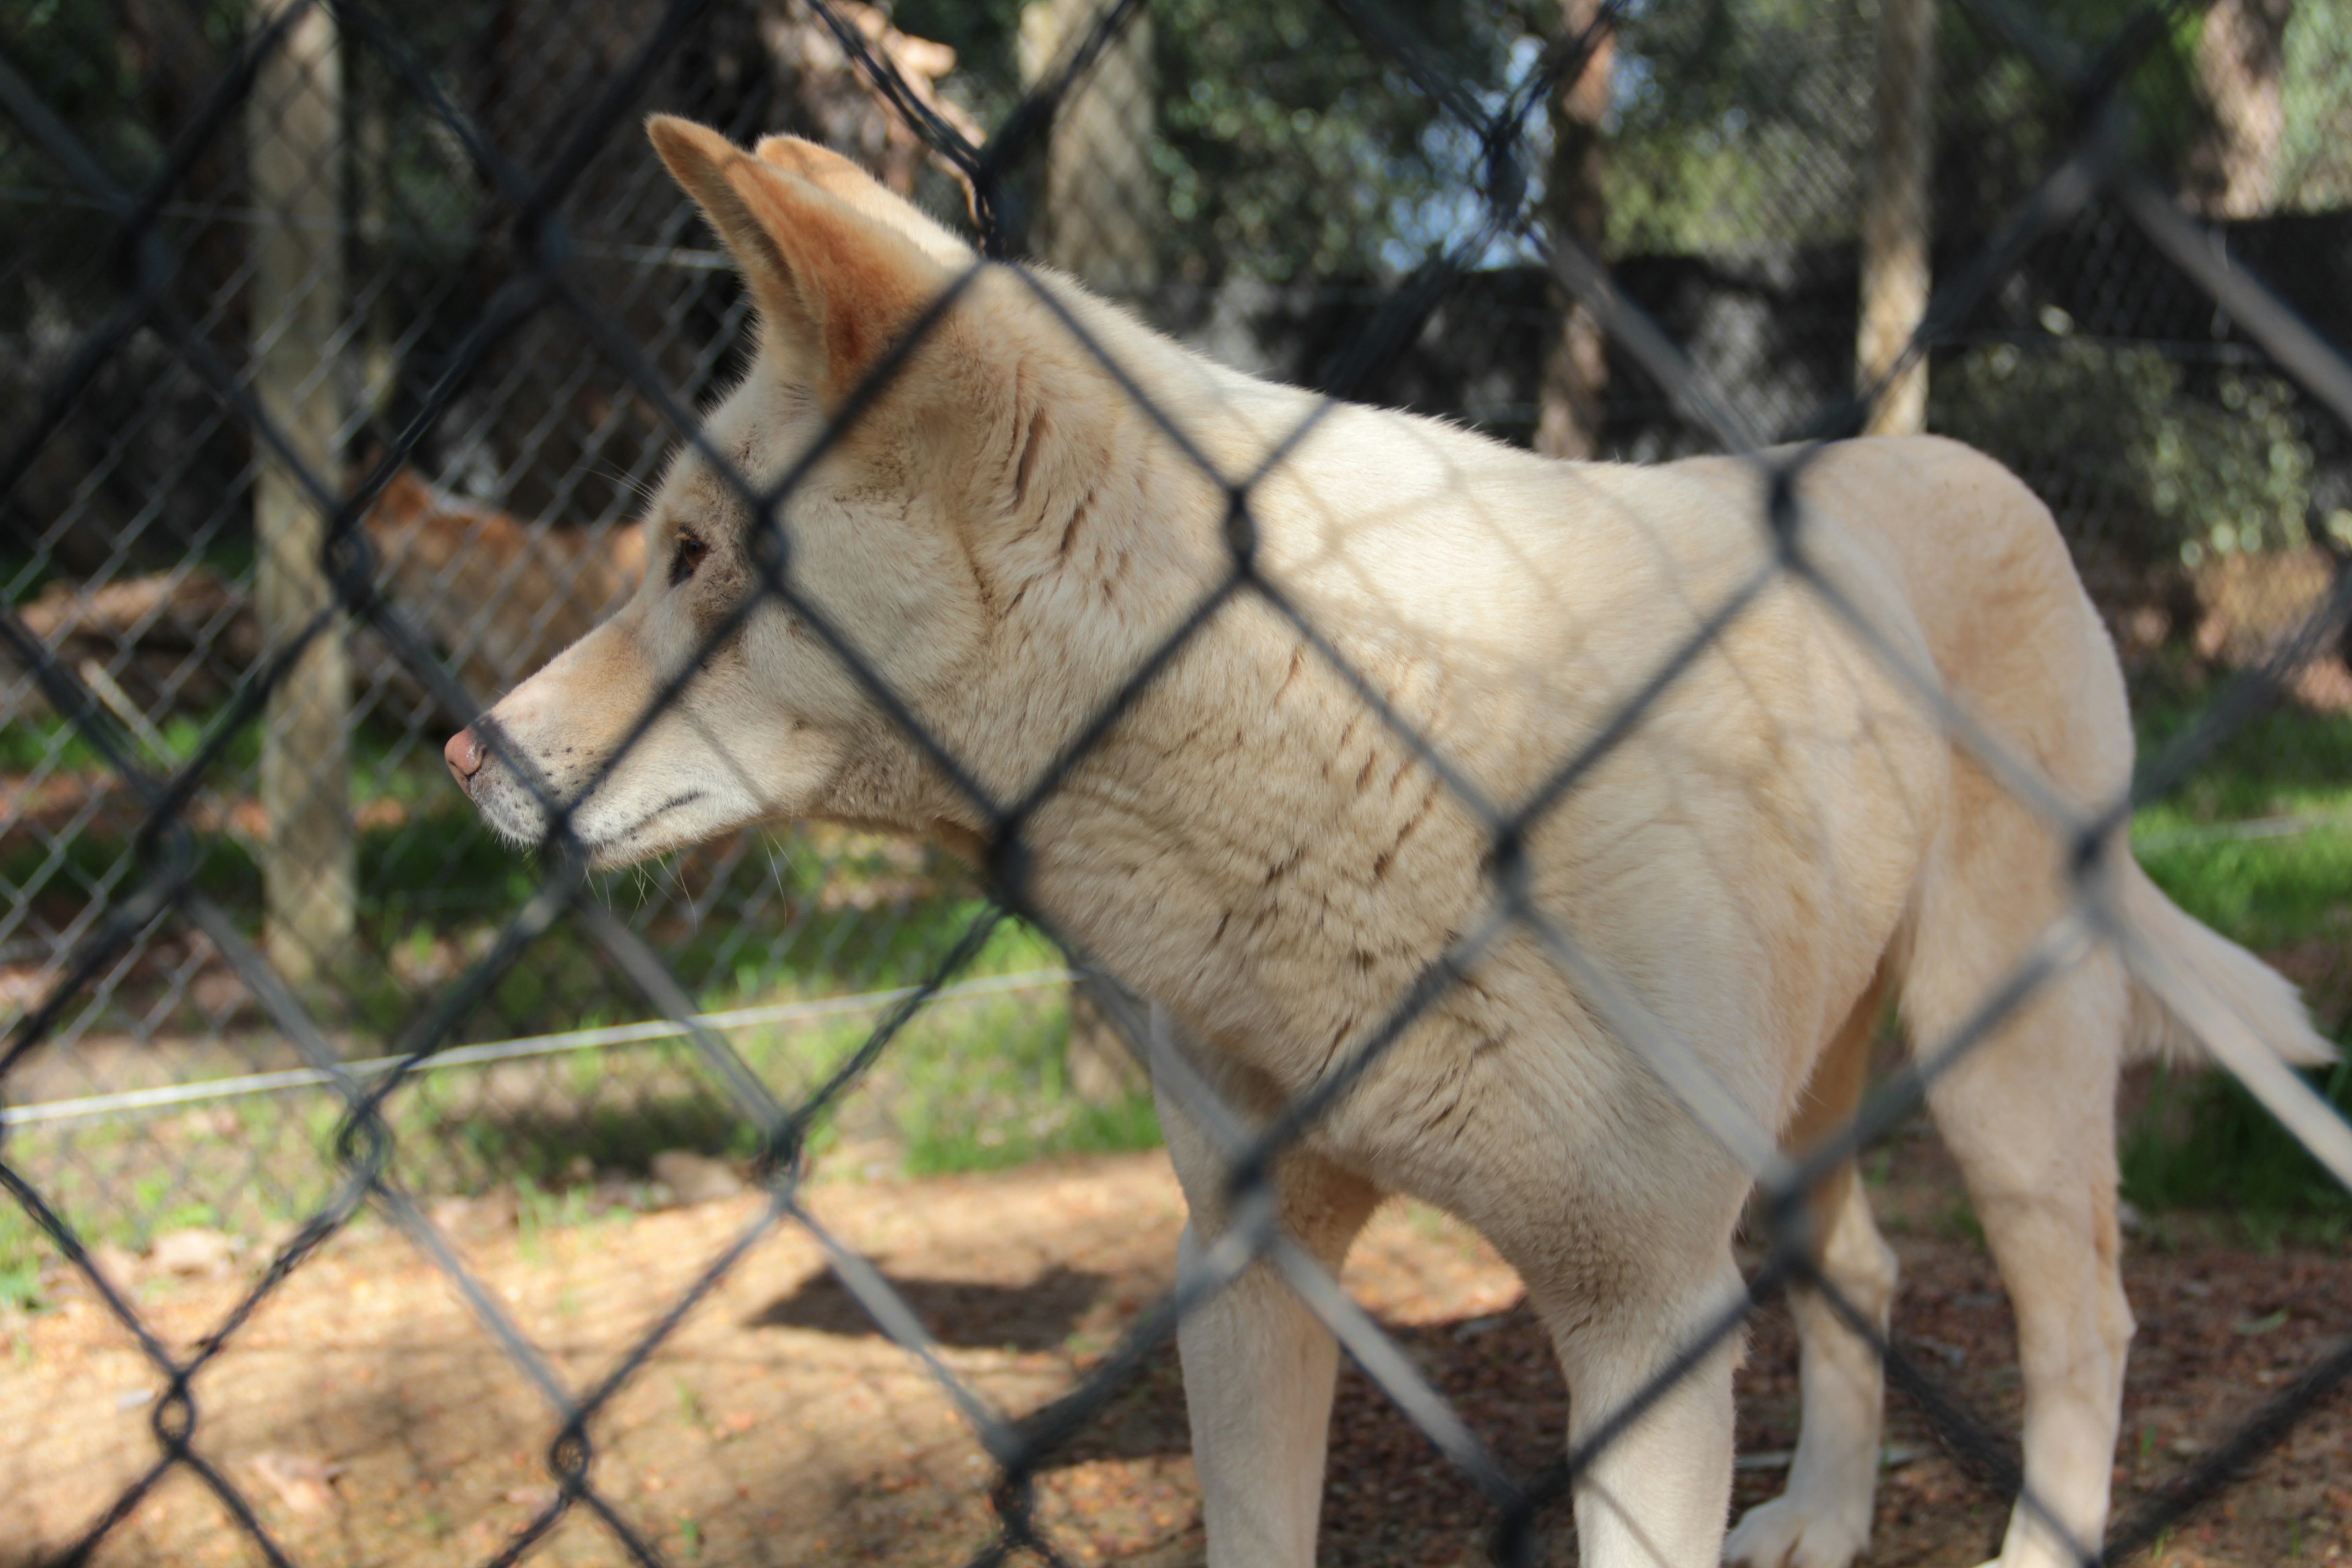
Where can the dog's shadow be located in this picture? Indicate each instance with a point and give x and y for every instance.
(966, 1314)
(1498, 1365)
(1142, 1417)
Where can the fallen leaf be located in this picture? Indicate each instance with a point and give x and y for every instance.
(303, 1483)
(193, 1251)
(118, 1265)
(696, 1178)
(2251, 1327)
(491, 1211)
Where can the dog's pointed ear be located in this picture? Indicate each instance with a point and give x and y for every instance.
(835, 175)
(835, 288)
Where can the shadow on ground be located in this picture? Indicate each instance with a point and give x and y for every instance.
(967, 1314)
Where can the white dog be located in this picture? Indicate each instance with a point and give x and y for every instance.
(1785, 843)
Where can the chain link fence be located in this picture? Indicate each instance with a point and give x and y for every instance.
(347, 343)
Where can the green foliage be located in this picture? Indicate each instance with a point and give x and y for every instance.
(20, 1285)
(1284, 146)
(1737, 123)
(2108, 435)
(2001, 125)
(1288, 147)
(1742, 124)
(97, 65)
(2162, 92)
(2315, 170)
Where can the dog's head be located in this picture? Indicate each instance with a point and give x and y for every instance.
(903, 509)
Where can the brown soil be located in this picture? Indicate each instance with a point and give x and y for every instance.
(371, 1420)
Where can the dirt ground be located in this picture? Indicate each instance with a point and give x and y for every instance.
(371, 1420)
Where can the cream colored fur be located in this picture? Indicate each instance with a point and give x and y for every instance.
(1786, 835)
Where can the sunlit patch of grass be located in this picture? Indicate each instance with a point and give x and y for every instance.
(1065, 1127)
(2266, 893)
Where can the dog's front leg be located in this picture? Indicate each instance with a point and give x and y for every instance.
(1649, 1387)
(1259, 1366)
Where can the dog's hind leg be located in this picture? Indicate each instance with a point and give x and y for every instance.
(1259, 1366)
(1823, 1518)
(2028, 1114)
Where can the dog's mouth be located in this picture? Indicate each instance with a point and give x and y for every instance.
(529, 824)
(629, 842)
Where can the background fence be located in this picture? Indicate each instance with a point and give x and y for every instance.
(259, 245)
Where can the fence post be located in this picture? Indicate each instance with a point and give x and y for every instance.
(294, 145)
(1895, 213)
(1097, 221)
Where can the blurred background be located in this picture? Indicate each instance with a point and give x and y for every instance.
(1780, 183)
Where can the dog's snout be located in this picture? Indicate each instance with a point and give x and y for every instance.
(464, 754)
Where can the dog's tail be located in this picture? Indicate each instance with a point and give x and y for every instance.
(2254, 993)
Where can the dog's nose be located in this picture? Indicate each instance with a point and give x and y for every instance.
(464, 755)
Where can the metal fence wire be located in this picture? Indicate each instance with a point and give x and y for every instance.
(557, 292)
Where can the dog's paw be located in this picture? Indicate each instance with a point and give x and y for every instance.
(1792, 1532)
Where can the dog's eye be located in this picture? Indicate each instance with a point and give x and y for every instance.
(689, 555)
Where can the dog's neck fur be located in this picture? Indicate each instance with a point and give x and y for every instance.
(1075, 602)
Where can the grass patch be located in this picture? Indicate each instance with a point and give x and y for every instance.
(1061, 1126)
(2273, 761)
(2269, 892)
(2201, 1142)
(20, 1285)
(972, 1081)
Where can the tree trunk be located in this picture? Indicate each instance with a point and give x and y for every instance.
(1895, 217)
(2241, 55)
(1576, 369)
(294, 135)
(1096, 220)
